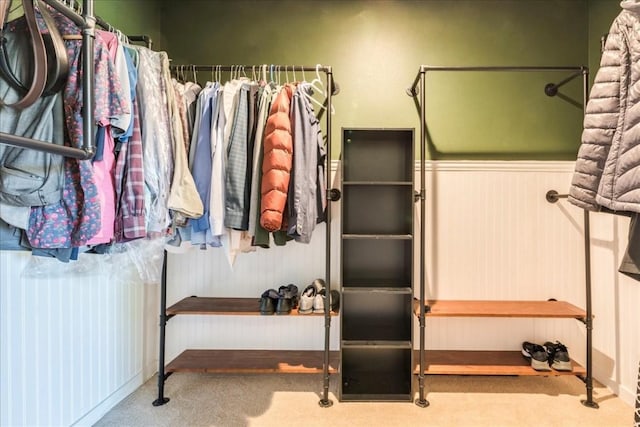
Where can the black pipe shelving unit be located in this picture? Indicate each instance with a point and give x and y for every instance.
(551, 308)
(253, 361)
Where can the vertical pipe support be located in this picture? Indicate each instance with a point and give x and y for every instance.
(588, 402)
(422, 401)
(88, 101)
(161, 400)
(325, 402)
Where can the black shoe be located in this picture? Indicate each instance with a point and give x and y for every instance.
(558, 356)
(268, 301)
(287, 299)
(537, 354)
(335, 301)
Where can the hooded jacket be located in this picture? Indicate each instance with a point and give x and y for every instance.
(607, 171)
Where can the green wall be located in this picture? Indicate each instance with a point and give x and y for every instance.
(376, 47)
(133, 17)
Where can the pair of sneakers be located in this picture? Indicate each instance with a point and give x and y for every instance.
(547, 356)
(314, 296)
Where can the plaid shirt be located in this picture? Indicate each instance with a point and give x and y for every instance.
(129, 175)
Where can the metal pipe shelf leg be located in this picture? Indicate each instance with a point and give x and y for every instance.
(587, 273)
(422, 401)
(588, 402)
(161, 400)
(325, 402)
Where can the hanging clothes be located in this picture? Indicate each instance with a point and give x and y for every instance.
(307, 185)
(156, 139)
(238, 174)
(607, 170)
(276, 166)
(104, 161)
(265, 96)
(232, 144)
(129, 173)
(183, 200)
(28, 177)
(74, 220)
(604, 172)
(202, 166)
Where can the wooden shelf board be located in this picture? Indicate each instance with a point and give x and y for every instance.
(253, 361)
(477, 308)
(224, 306)
(377, 183)
(362, 236)
(374, 289)
(448, 362)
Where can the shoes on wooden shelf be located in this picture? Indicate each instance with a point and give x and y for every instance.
(287, 299)
(547, 356)
(537, 354)
(268, 301)
(558, 356)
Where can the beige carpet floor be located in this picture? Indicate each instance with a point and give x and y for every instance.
(292, 400)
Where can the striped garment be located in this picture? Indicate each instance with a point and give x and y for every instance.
(129, 176)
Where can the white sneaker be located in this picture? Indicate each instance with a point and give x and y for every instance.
(318, 301)
(307, 299)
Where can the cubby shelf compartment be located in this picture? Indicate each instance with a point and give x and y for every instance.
(463, 362)
(253, 361)
(223, 306)
(376, 371)
(376, 314)
(377, 260)
(377, 155)
(377, 209)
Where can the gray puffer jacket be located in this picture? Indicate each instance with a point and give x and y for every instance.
(607, 171)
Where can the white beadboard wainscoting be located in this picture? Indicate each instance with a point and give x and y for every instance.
(71, 338)
(491, 234)
(72, 345)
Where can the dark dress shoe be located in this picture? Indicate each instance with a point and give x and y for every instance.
(268, 301)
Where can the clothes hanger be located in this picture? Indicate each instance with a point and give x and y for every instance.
(318, 81)
(320, 89)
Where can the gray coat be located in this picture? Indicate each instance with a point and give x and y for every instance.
(607, 171)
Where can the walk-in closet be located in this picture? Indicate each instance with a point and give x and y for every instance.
(316, 212)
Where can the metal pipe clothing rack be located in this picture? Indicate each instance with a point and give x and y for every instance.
(331, 195)
(86, 20)
(418, 90)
